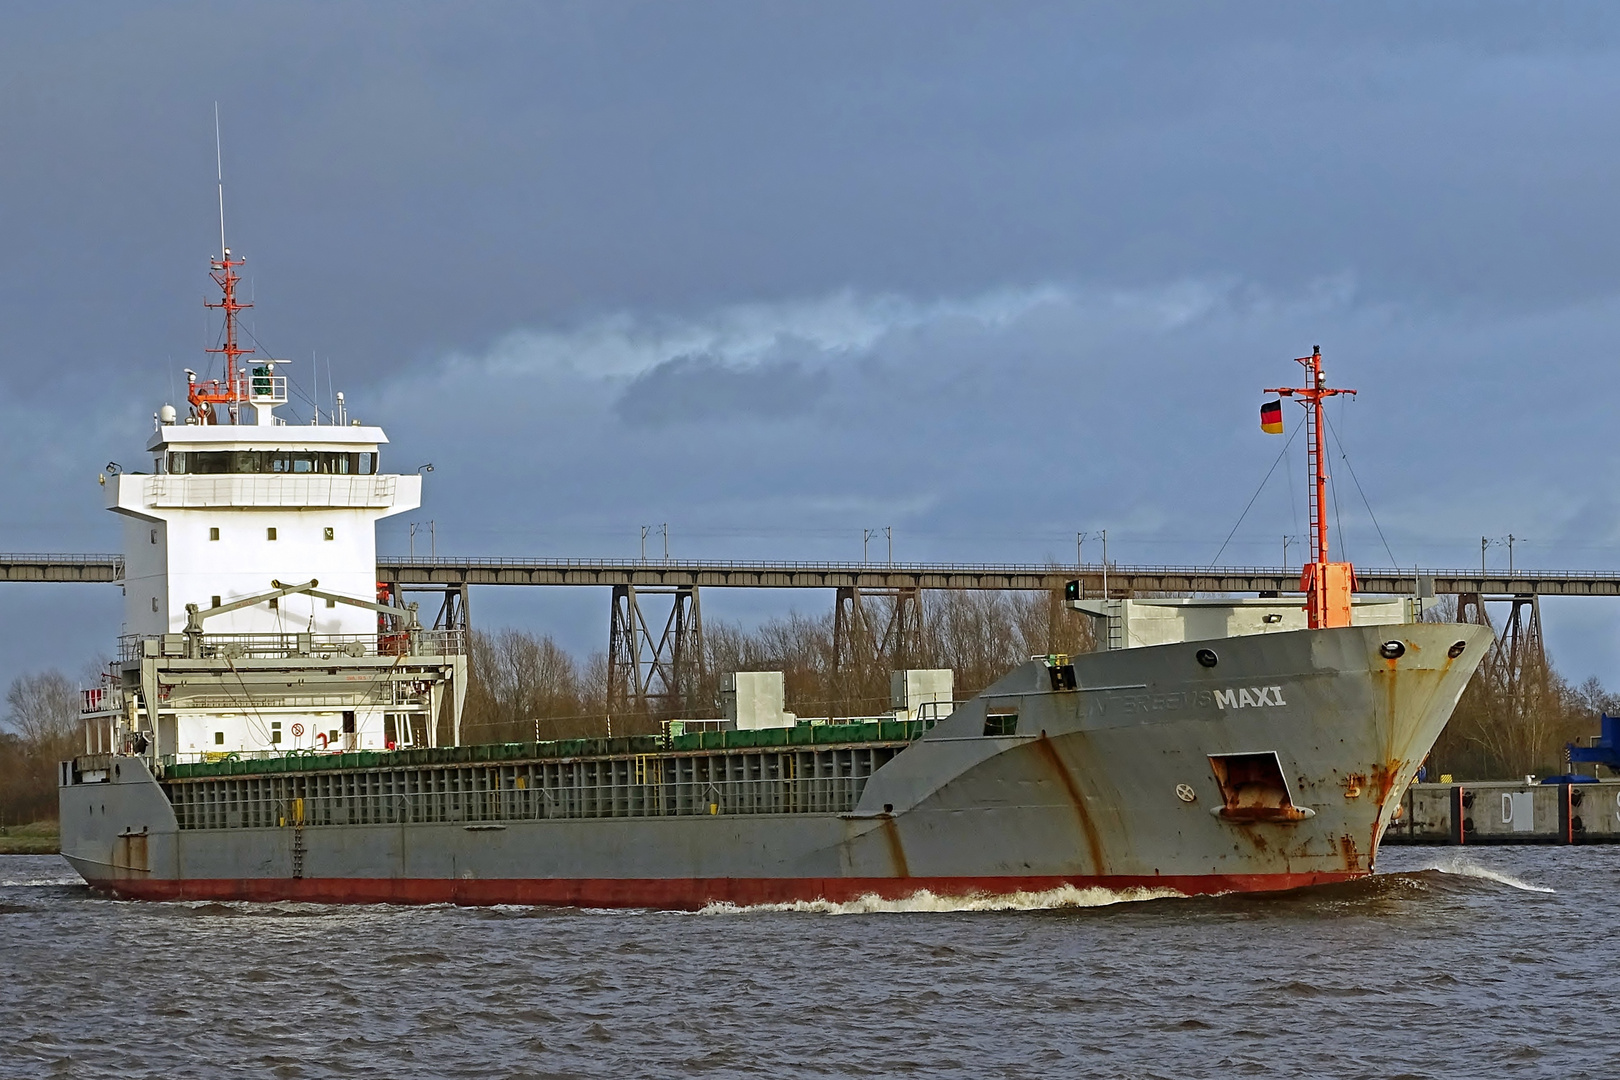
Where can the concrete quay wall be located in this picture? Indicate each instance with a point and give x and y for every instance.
(1508, 812)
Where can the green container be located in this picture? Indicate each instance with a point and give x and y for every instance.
(714, 740)
(178, 772)
(692, 740)
(801, 735)
(773, 736)
(893, 730)
(645, 744)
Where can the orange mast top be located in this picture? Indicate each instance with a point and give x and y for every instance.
(1327, 585)
(232, 390)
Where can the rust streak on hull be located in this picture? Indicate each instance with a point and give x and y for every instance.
(1049, 754)
(897, 853)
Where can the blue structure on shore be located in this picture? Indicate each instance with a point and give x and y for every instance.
(1605, 751)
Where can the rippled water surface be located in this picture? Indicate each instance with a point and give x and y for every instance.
(1490, 962)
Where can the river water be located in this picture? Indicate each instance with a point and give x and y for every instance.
(1446, 963)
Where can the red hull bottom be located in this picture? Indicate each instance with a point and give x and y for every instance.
(678, 894)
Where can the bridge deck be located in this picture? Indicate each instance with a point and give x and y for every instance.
(711, 573)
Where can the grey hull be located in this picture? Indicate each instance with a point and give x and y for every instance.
(1117, 782)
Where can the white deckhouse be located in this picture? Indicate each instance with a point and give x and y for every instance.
(253, 620)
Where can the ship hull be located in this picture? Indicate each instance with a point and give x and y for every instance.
(688, 894)
(1132, 780)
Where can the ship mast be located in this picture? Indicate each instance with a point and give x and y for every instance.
(1327, 585)
(232, 390)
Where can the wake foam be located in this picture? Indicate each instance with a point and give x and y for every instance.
(1459, 866)
(1066, 896)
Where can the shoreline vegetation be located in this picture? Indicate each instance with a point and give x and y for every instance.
(1514, 718)
(37, 838)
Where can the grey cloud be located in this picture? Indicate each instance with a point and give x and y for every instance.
(691, 388)
(415, 182)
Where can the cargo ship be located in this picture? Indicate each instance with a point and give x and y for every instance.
(276, 727)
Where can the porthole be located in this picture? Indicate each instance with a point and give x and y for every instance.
(1392, 650)
(1207, 657)
(1457, 649)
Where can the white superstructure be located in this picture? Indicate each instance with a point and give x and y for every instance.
(227, 508)
(253, 620)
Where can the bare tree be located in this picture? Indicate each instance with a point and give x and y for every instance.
(43, 711)
(42, 708)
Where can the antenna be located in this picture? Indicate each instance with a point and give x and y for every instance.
(232, 390)
(219, 173)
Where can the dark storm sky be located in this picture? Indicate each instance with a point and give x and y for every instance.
(776, 273)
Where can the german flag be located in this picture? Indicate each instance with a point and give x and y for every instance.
(1271, 417)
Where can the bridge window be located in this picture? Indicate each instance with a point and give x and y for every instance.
(329, 533)
(213, 533)
(218, 462)
(270, 533)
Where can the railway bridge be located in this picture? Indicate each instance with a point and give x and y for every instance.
(656, 625)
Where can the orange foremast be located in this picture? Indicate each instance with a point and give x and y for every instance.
(1327, 585)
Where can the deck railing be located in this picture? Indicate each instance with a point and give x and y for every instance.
(319, 646)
